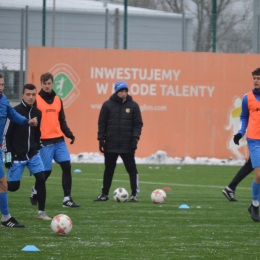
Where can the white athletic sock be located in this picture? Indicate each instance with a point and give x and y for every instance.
(255, 203)
(66, 198)
(34, 190)
(5, 217)
(40, 211)
(229, 189)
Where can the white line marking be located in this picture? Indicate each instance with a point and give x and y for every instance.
(161, 183)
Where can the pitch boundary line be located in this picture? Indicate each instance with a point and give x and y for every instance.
(160, 183)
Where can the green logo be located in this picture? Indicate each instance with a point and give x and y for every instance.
(62, 85)
(65, 83)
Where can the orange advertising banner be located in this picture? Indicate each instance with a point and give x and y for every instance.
(190, 102)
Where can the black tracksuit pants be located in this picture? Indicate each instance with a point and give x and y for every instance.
(242, 173)
(110, 165)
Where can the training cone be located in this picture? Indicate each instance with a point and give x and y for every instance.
(167, 188)
(30, 248)
(184, 206)
(77, 170)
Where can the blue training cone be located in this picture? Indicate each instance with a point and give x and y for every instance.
(184, 206)
(77, 170)
(30, 248)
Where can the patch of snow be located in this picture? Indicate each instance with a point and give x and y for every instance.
(160, 157)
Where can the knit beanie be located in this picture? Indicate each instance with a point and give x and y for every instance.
(120, 85)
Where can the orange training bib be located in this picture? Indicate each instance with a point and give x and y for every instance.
(50, 127)
(253, 129)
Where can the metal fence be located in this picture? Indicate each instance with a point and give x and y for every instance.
(104, 28)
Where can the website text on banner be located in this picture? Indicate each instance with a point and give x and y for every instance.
(190, 102)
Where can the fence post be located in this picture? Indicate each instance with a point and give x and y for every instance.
(106, 27)
(214, 24)
(43, 22)
(26, 43)
(125, 26)
(116, 34)
(21, 56)
(183, 32)
(53, 23)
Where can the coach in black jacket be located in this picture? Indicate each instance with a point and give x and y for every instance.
(119, 129)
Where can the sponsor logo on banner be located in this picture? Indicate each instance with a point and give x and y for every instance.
(65, 83)
(233, 126)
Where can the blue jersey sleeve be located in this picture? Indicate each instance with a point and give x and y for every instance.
(16, 117)
(244, 116)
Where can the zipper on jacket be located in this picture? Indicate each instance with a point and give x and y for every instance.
(119, 129)
(29, 135)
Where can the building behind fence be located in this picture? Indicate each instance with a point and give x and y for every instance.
(92, 24)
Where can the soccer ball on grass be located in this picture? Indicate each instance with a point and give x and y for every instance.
(158, 196)
(120, 195)
(61, 225)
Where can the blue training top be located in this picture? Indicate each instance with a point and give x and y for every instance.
(7, 111)
(244, 117)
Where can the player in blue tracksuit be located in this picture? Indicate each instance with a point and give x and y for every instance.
(6, 111)
(250, 121)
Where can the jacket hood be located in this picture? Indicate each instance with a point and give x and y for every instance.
(48, 97)
(46, 94)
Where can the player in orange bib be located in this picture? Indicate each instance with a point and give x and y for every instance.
(53, 127)
(250, 120)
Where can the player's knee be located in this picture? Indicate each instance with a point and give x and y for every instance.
(3, 185)
(66, 166)
(47, 174)
(13, 185)
(40, 177)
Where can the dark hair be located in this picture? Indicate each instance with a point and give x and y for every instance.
(256, 72)
(46, 76)
(1, 76)
(28, 86)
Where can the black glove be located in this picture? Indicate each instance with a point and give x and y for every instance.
(72, 137)
(134, 144)
(102, 146)
(237, 137)
(8, 160)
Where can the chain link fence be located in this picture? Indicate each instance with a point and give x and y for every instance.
(74, 27)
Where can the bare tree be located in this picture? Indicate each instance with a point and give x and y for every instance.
(148, 4)
(231, 24)
(237, 40)
(175, 5)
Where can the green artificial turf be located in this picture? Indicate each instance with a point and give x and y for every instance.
(212, 228)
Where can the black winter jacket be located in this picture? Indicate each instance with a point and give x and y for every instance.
(48, 98)
(119, 122)
(23, 141)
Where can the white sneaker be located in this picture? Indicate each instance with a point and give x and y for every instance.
(33, 197)
(43, 216)
(133, 199)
